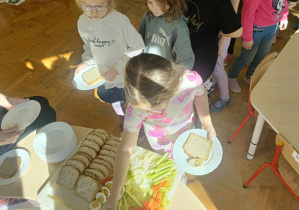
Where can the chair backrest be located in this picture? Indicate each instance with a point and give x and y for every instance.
(287, 151)
(287, 165)
(261, 69)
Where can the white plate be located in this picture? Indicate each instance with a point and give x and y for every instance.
(53, 138)
(24, 155)
(21, 115)
(181, 158)
(79, 83)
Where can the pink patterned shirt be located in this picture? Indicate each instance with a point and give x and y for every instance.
(162, 130)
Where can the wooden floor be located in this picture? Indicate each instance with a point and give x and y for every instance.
(39, 48)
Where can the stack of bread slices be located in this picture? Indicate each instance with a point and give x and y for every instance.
(90, 165)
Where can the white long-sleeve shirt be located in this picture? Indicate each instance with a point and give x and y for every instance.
(109, 41)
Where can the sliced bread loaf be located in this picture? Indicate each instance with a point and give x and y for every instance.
(88, 150)
(107, 158)
(114, 138)
(80, 165)
(108, 153)
(97, 139)
(81, 157)
(68, 177)
(87, 188)
(100, 167)
(99, 174)
(112, 142)
(110, 148)
(101, 131)
(198, 147)
(103, 162)
(91, 144)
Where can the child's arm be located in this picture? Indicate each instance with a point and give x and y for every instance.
(121, 167)
(202, 108)
(182, 51)
(135, 46)
(248, 14)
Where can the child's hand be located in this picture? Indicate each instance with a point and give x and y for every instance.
(247, 45)
(210, 129)
(9, 136)
(9, 103)
(283, 24)
(80, 68)
(111, 74)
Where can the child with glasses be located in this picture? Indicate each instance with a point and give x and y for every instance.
(109, 39)
(165, 32)
(161, 95)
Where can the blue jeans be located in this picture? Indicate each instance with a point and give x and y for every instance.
(262, 37)
(111, 95)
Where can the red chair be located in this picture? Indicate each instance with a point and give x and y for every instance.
(286, 168)
(257, 75)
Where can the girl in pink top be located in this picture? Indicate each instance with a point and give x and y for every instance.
(259, 20)
(161, 96)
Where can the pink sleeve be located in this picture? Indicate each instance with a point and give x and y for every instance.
(247, 19)
(285, 16)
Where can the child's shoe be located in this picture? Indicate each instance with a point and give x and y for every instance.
(228, 59)
(247, 80)
(220, 104)
(234, 85)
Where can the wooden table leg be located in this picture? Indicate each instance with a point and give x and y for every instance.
(256, 136)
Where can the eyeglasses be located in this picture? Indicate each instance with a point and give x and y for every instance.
(88, 8)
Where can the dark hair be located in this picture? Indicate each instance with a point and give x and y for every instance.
(151, 80)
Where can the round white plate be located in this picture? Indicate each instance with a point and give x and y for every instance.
(21, 115)
(24, 155)
(181, 158)
(52, 138)
(79, 83)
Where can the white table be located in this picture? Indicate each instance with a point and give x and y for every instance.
(276, 97)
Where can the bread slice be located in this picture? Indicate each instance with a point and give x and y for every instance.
(96, 138)
(10, 167)
(110, 148)
(80, 165)
(91, 144)
(101, 131)
(112, 142)
(87, 188)
(86, 155)
(103, 162)
(198, 147)
(107, 158)
(81, 157)
(100, 167)
(92, 76)
(68, 177)
(108, 153)
(99, 174)
(114, 138)
(90, 151)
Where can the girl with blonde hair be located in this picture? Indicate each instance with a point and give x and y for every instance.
(109, 39)
(160, 96)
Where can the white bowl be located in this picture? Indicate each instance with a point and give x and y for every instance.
(54, 142)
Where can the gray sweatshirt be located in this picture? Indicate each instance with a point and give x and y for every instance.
(170, 40)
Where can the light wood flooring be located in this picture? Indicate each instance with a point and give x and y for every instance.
(39, 49)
